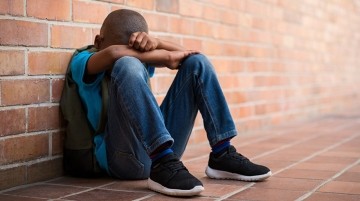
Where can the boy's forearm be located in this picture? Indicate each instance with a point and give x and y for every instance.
(104, 60)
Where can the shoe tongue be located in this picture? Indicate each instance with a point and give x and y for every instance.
(168, 158)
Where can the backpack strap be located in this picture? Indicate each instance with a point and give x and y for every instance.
(105, 103)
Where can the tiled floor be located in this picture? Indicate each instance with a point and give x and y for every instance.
(317, 160)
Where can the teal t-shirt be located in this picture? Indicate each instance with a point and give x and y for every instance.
(90, 94)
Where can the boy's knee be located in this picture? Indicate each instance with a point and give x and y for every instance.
(199, 63)
(196, 58)
(127, 66)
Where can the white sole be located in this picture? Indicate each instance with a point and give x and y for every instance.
(218, 174)
(174, 192)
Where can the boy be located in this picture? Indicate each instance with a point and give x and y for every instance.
(141, 139)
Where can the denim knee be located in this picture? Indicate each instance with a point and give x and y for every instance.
(199, 64)
(128, 67)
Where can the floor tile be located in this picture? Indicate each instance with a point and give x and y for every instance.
(108, 195)
(349, 176)
(46, 191)
(288, 184)
(320, 166)
(18, 198)
(341, 187)
(356, 168)
(267, 195)
(332, 159)
(137, 185)
(332, 197)
(160, 197)
(83, 182)
(306, 174)
(218, 190)
(273, 164)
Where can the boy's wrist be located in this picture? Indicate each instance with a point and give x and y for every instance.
(159, 43)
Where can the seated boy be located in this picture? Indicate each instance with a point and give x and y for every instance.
(142, 139)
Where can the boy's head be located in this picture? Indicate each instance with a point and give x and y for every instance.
(118, 26)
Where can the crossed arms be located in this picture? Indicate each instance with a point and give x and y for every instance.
(142, 46)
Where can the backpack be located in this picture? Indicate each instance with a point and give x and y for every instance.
(79, 156)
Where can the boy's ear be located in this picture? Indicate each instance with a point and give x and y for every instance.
(97, 42)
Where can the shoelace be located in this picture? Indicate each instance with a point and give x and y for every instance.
(175, 166)
(232, 152)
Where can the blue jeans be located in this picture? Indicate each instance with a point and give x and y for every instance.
(137, 125)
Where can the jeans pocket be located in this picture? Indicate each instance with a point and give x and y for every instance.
(126, 166)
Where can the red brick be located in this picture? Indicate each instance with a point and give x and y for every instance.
(192, 44)
(12, 177)
(156, 22)
(114, 1)
(270, 81)
(12, 121)
(49, 9)
(229, 17)
(70, 37)
(241, 112)
(148, 4)
(256, 7)
(43, 118)
(24, 148)
(82, 9)
(212, 47)
(45, 170)
(12, 62)
(181, 25)
(57, 142)
(235, 97)
(12, 7)
(57, 86)
(211, 12)
(169, 6)
(15, 32)
(15, 92)
(163, 83)
(48, 62)
(190, 8)
(204, 29)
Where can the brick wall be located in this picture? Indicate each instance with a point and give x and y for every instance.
(277, 60)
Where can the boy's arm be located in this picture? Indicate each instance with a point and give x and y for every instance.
(144, 42)
(104, 59)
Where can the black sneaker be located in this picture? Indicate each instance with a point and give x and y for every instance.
(169, 176)
(232, 165)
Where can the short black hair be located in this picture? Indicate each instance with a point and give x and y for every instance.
(120, 24)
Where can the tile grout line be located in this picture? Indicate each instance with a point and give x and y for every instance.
(269, 152)
(259, 140)
(301, 141)
(87, 190)
(235, 192)
(145, 197)
(327, 181)
(317, 153)
(278, 134)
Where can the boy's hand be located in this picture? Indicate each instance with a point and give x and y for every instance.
(175, 58)
(143, 42)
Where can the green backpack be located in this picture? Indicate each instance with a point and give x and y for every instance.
(79, 156)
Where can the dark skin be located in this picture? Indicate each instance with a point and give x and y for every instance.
(142, 46)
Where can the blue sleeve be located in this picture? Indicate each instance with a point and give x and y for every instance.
(78, 67)
(151, 70)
